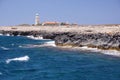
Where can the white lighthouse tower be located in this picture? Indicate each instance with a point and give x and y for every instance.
(37, 19)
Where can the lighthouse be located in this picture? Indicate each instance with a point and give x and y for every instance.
(37, 19)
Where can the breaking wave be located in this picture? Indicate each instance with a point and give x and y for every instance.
(44, 44)
(106, 52)
(1, 34)
(35, 38)
(4, 48)
(7, 34)
(24, 59)
(50, 43)
(111, 52)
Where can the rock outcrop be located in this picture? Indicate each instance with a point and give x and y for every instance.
(100, 40)
(96, 40)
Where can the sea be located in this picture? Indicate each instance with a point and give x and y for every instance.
(26, 58)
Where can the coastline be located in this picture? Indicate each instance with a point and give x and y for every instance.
(100, 37)
(113, 53)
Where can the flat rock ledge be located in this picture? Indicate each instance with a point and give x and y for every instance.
(104, 41)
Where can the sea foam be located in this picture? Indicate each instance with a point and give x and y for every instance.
(44, 44)
(7, 35)
(1, 34)
(106, 52)
(24, 58)
(111, 52)
(4, 48)
(50, 43)
(35, 38)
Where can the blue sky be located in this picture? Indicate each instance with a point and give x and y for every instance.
(13, 12)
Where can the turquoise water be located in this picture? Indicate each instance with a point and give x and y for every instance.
(52, 63)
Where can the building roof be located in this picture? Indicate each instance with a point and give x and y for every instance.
(50, 23)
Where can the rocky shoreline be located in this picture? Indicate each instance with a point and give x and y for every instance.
(105, 37)
(103, 41)
(100, 40)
